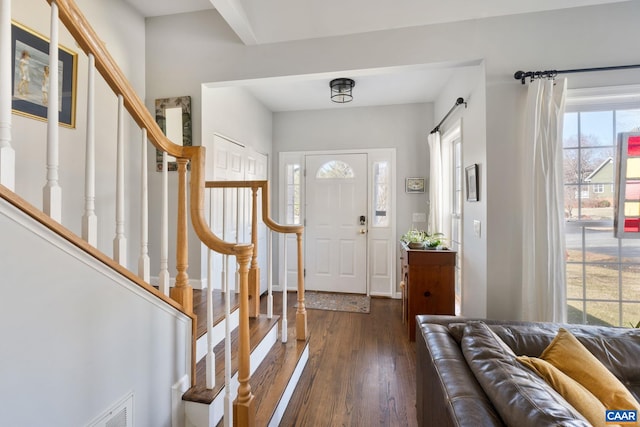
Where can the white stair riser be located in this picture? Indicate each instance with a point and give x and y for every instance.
(218, 335)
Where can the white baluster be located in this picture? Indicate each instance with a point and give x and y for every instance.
(89, 219)
(238, 224)
(120, 241)
(52, 192)
(164, 278)
(224, 277)
(210, 253)
(269, 274)
(228, 401)
(284, 333)
(211, 357)
(7, 153)
(144, 263)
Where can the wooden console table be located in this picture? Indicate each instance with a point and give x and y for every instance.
(429, 284)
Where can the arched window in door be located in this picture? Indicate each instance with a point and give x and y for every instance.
(335, 169)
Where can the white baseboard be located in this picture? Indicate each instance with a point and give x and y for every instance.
(177, 404)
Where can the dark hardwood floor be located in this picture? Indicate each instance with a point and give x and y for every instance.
(361, 370)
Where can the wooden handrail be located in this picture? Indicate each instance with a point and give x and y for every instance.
(89, 42)
(302, 331)
(266, 205)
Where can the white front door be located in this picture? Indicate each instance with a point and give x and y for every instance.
(336, 241)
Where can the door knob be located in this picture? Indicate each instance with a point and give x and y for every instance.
(363, 231)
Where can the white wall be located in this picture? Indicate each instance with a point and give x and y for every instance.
(122, 30)
(235, 114)
(569, 38)
(468, 83)
(77, 337)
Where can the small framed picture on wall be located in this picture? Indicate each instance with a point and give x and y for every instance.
(471, 173)
(414, 185)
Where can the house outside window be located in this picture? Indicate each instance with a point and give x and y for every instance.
(603, 174)
(603, 272)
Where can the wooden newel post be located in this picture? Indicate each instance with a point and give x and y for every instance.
(182, 292)
(243, 406)
(301, 314)
(254, 271)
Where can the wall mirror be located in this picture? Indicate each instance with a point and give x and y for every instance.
(173, 115)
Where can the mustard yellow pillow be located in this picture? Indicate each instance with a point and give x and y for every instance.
(568, 355)
(574, 393)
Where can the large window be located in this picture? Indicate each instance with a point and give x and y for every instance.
(603, 272)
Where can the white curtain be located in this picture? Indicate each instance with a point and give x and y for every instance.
(543, 252)
(435, 183)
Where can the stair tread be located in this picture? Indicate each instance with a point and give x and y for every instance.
(258, 328)
(270, 380)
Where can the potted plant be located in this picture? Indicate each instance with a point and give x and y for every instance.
(415, 239)
(435, 241)
(420, 239)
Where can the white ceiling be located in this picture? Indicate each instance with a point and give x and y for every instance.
(149, 8)
(281, 20)
(260, 22)
(380, 86)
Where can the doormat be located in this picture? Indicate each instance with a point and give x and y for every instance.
(337, 302)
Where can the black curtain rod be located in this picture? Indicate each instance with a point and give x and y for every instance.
(522, 75)
(458, 102)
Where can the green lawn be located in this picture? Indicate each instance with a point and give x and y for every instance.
(603, 283)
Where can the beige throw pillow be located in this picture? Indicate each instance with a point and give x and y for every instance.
(568, 355)
(572, 391)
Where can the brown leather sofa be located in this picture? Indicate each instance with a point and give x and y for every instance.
(448, 393)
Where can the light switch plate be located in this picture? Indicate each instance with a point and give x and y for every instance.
(476, 227)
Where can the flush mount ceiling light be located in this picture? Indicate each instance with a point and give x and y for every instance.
(341, 90)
